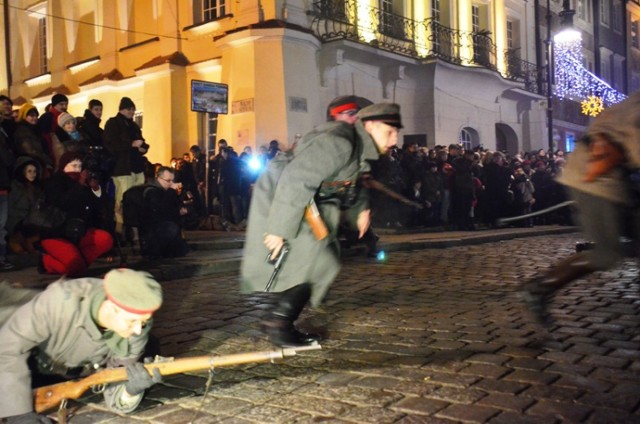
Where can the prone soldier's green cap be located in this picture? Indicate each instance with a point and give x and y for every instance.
(389, 113)
(134, 291)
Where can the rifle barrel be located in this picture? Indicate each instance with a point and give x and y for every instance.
(46, 398)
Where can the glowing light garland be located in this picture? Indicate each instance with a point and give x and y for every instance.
(572, 79)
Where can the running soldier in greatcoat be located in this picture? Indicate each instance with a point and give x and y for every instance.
(321, 175)
(601, 176)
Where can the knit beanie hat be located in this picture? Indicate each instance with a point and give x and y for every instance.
(126, 103)
(65, 117)
(67, 158)
(58, 98)
(26, 109)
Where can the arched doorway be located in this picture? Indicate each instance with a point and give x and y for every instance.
(468, 138)
(506, 139)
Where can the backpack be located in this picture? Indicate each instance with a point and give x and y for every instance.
(133, 204)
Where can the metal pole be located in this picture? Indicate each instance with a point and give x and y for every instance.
(7, 46)
(549, 43)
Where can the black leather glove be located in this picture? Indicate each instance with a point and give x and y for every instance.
(29, 418)
(139, 378)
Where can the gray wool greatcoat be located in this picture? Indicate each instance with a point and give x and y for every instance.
(326, 157)
(607, 204)
(59, 323)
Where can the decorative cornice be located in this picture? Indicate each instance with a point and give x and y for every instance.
(176, 58)
(113, 75)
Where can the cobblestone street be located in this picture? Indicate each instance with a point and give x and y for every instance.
(428, 336)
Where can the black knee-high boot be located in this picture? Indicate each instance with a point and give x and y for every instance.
(279, 324)
(539, 291)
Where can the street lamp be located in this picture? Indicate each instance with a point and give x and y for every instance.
(548, 43)
(566, 34)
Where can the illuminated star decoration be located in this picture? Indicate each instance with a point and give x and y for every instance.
(572, 79)
(592, 106)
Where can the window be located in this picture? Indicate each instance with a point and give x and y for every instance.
(605, 13)
(213, 9)
(509, 35)
(569, 141)
(583, 10)
(391, 24)
(618, 15)
(435, 10)
(465, 139)
(605, 68)
(635, 36)
(208, 10)
(42, 45)
(475, 18)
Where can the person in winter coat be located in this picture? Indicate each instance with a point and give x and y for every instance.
(26, 192)
(67, 138)
(71, 249)
(48, 121)
(462, 191)
(163, 211)
(321, 175)
(98, 160)
(601, 176)
(72, 329)
(27, 140)
(497, 181)
(123, 139)
(523, 194)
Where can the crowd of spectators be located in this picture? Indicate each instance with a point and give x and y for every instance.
(57, 162)
(462, 189)
(63, 180)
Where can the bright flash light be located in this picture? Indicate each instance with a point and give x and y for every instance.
(254, 164)
(381, 255)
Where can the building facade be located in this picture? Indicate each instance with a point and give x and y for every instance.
(604, 32)
(465, 71)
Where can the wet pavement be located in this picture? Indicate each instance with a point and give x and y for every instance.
(432, 335)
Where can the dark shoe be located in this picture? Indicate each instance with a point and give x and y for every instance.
(536, 299)
(279, 325)
(282, 333)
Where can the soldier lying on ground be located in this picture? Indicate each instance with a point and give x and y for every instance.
(70, 330)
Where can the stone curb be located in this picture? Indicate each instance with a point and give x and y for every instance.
(219, 266)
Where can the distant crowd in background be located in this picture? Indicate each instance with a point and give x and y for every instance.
(463, 189)
(64, 179)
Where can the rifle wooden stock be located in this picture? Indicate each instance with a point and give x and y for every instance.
(48, 397)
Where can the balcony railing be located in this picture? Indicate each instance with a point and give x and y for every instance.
(346, 19)
(532, 76)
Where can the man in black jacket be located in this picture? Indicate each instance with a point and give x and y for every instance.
(162, 227)
(123, 138)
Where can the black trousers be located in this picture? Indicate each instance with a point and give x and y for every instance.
(164, 240)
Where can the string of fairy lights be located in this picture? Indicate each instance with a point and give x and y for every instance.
(573, 81)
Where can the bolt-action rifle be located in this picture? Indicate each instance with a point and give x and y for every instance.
(48, 397)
